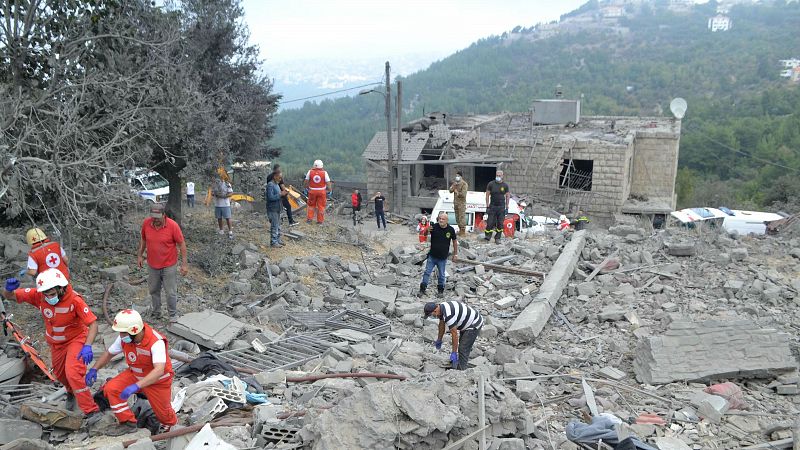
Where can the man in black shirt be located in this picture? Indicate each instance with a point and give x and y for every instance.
(284, 199)
(380, 201)
(440, 236)
(497, 196)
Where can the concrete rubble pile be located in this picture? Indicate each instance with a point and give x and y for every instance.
(688, 336)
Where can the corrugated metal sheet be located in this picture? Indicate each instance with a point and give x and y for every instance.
(412, 146)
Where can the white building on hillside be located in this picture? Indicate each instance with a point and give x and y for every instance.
(719, 23)
(613, 12)
(790, 63)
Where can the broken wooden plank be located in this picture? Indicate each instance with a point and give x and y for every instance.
(499, 268)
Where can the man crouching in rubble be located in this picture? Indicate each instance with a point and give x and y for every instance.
(149, 370)
(458, 317)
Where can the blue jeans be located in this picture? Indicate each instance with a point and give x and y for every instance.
(190, 200)
(274, 226)
(379, 215)
(438, 263)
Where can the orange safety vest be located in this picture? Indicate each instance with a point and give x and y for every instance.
(316, 180)
(138, 356)
(48, 255)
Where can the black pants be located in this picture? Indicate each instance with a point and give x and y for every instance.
(466, 340)
(494, 222)
(288, 208)
(380, 216)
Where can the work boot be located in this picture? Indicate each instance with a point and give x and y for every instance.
(422, 288)
(440, 292)
(69, 405)
(93, 417)
(164, 429)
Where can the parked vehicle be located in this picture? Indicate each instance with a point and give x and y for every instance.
(476, 211)
(148, 184)
(740, 221)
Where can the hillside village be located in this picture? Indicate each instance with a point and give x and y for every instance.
(300, 312)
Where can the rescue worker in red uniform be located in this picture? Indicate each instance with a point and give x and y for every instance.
(44, 254)
(422, 228)
(70, 329)
(149, 370)
(319, 186)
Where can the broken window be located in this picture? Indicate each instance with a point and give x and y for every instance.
(576, 174)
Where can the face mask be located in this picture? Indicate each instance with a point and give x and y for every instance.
(458, 178)
(127, 339)
(498, 179)
(51, 300)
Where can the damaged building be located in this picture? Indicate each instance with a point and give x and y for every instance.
(551, 156)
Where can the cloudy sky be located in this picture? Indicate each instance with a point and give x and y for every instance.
(309, 29)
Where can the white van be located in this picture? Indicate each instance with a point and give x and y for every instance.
(476, 211)
(742, 222)
(148, 184)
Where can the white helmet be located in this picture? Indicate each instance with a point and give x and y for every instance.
(128, 321)
(318, 164)
(562, 218)
(49, 279)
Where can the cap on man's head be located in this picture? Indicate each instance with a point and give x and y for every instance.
(157, 210)
(429, 307)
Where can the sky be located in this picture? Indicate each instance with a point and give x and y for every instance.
(288, 30)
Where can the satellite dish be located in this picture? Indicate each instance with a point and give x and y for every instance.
(678, 107)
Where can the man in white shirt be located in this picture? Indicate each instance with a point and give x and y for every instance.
(222, 193)
(190, 194)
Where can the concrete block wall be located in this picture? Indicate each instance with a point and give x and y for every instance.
(710, 350)
(655, 165)
(610, 178)
(377, 180)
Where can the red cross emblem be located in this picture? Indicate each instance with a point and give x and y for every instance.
(58, 275)
(40, 282)
(52, 259)
(127, 311)
(134, 330)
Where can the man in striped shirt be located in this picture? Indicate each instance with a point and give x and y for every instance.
(464, 322)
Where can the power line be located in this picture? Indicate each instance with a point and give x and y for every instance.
(697, 129)
(331, 93)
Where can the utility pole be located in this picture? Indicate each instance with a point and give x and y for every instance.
(390, 161)
(400, 167)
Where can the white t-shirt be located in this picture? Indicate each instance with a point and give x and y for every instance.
(225, 201)
(190, 188)
(32, 264)
(158, 351)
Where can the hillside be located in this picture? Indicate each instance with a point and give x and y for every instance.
(741, 134)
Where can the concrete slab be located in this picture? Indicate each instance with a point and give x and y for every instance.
(373, 292)
(209, 329)
(11, 429)
(527, 326)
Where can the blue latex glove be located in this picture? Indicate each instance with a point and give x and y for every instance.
(12, 284)
(330, 195)
(22, 272)
(128, 391)
(454, 357)
(305, 193)
(86, 354)
(91, 376)
(438, 344)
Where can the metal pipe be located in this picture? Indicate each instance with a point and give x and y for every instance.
(482, 412)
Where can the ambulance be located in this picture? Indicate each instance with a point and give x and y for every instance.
(516, 220)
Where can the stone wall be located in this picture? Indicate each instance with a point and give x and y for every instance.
(712, 349)
(377, 179)
(655, 165)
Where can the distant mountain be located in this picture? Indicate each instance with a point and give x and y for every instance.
(741, 133)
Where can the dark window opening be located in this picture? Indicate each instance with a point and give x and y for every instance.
(483, 175)
(433, 170)
(576, 174)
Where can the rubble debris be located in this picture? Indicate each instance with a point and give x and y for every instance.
(534, 317)
(51, 416)
(415, 414)
(208, 328)
(11, 430)
(712, 349)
